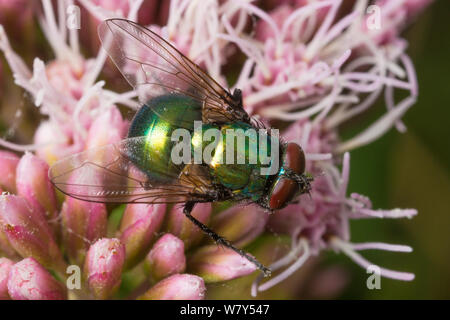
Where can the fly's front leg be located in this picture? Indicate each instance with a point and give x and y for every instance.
(220, 240)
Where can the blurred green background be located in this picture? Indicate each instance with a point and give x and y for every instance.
(409, 170)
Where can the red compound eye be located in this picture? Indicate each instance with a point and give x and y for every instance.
(284, 189)
(294, 158)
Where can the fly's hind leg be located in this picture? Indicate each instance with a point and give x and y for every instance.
(220, 240)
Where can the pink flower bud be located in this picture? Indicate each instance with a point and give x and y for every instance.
(177, 287)
(139, 225)
(108, 127)
(83, 223)
(215, 263)
(56, 142)
(115, 6)
(34, 185)
(279, 15)
(166, 257)
(183, 228)
(103, 267)
(28, 280)
(8, 165)
(28, 232)
(240, 225)
(5, 267)
(65, 76)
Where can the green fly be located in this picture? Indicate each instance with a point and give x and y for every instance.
(175, 93)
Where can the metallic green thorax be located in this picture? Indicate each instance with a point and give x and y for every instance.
(162, 115)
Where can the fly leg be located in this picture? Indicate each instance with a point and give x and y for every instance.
(222, 241)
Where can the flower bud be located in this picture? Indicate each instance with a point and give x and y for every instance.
(215, 263)
(138, 227)
(34, 185)
(180, 226)
(28, 280)
(65, 76)
(83, 223)
(114, 6)
(5, 267)
(103, 267)
(240, 225)
(108, 127)
(166, 257)
(177, 287)
(56, 142)
(28, 232)
(8, 165)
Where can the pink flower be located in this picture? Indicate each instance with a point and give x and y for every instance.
(215, 264)
(166, 257)
(66, 91)
(240, 224)
(109, 127)
(5, 267)
(28, 280)
(29, 233)
(181, 227)
(138, 228)
(34, 185)
(177, 287)
(83, 223)
(103, 267)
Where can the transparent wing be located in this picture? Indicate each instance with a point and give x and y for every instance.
(154, 67)
(107, 174)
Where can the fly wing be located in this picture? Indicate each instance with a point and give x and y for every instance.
(106, 174)
(154, 67)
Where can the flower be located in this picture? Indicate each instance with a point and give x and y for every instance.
(103, 267)
(216, 264)
(83, 223)
(28, 232)
(5, 267)
(178, 225)
(33, 184)
(66, 92)
(321, 75)
(166, 257)
(139, 225)
(28, 280)
(311, 65)
(177, 287)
